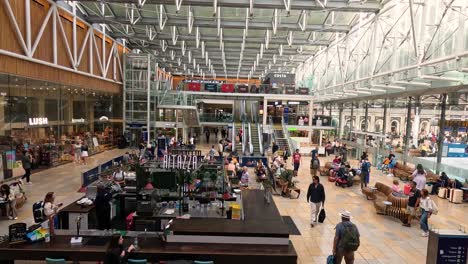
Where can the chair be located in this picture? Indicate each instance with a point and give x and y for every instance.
(137, 261)
(203, 262)
(55, 261)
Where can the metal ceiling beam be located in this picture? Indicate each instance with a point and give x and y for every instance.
(341, 6)
(180, 22)
(247, 51)
(235, 59)
(253, 40)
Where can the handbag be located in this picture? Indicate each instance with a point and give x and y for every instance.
(322, 215)
(331, 259)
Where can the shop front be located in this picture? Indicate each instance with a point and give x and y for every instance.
(46, 119)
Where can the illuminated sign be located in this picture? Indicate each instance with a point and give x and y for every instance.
(78, 120)
(38, 121)
(180, 162)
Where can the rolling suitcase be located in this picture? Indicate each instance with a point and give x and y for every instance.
(456, 196)
(442, 192)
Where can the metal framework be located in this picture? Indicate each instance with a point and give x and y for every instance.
(74, 49)
(257, 36)
(408, 46)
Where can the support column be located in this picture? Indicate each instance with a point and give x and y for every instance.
(366, 116)
(417, 112)
(384, 123)
(265, 111)
(311, 112)
(340, 121)
(351, 125)
(440, 140)
(407, 131)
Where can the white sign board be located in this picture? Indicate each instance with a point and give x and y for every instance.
(38, 121)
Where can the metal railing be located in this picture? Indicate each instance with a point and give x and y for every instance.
(429, 163)
(216, 118)
(292, 145)
(233, 137)
(244, 140)
(251, 150)
(260, 138)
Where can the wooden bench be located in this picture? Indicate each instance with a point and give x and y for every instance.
(295, 189)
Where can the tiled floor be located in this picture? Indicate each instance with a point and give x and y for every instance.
(383, 239)
(64, 180)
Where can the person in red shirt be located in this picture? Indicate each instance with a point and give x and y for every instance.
(296, 161)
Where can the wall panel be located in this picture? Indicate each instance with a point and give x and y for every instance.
(8, 40)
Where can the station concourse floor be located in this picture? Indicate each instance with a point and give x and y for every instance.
(383, 239)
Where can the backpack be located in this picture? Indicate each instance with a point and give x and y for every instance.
(365, 166)
(38, 211)
(350, 238)
(315, 164)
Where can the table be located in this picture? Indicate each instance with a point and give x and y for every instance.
(70, 212)
(465, 194)
(373, 189)
(387, 204)
(151, 248)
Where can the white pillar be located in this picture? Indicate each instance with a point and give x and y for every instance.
(311, 112)
(416, 128)
(265, 111)
(320, 137)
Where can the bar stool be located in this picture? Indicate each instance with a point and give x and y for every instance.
(137, 261)
(55, 261)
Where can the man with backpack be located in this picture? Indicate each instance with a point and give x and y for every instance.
(365, 172)
(314, 165)
(346, 240)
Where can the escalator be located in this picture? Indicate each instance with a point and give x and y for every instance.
(255, 132)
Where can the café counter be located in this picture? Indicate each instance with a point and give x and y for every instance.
(261, 237)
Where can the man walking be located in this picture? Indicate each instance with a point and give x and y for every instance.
(26, 160)
(365, 172)
(296, 161)
(274, 148)
(413, 202)
(346, 240)
(316, 197)
(314, 165)
(344, 153)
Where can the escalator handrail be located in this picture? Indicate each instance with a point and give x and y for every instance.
(260, 139)
(233, 137)
(243, 138)
(250, 140)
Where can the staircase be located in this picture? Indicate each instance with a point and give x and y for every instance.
(281, 140)
(255, 140)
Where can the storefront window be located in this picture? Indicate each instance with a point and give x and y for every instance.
(46, 118)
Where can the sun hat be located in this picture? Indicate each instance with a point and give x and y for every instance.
(345, 214)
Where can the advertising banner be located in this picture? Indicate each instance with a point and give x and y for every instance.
(457, 150)
(211, 87)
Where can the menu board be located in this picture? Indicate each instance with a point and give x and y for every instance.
(17, 232)
(90, 176)
(452, 250)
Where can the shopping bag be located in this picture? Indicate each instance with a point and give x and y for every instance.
(322, 215)
(331, 259)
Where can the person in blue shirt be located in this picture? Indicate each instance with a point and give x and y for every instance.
(365, 172)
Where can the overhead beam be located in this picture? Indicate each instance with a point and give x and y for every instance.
(180, 22)
(251, 40)
(341, 6)
(232, 50)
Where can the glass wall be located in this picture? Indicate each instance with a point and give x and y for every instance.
(46, 118)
